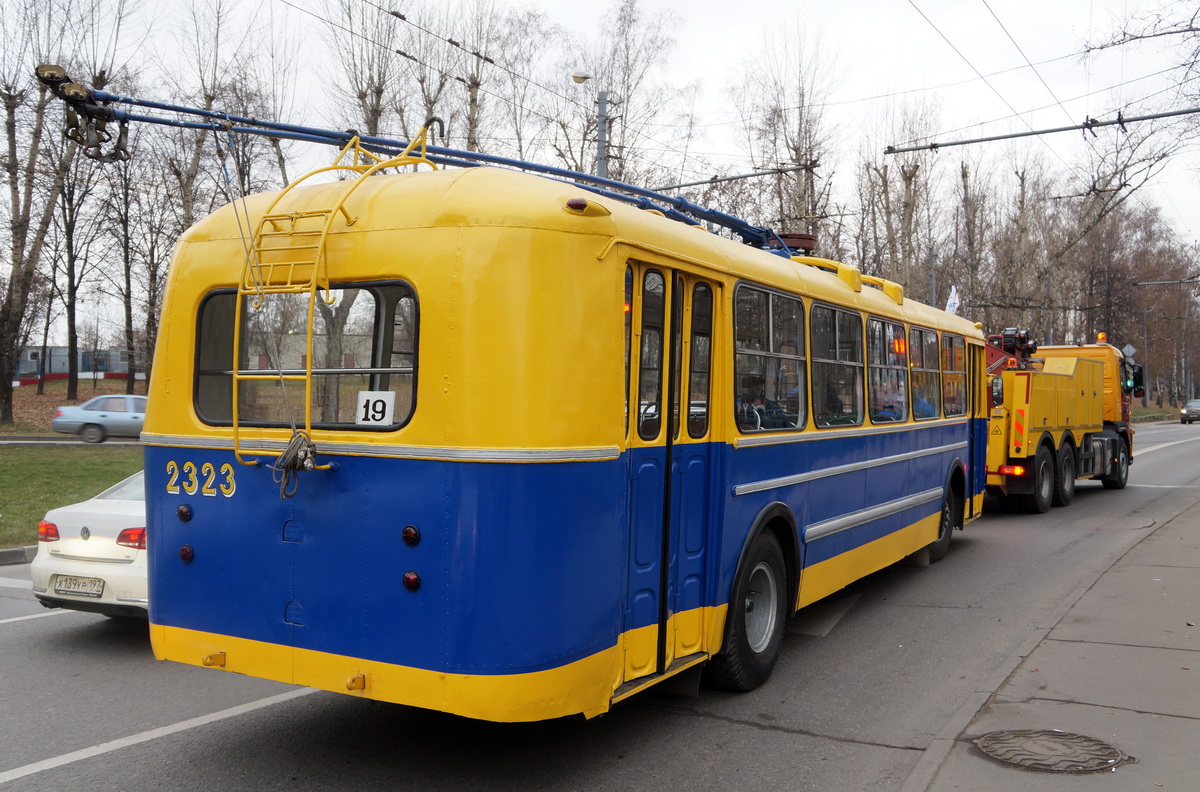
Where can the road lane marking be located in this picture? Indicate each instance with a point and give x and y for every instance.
(15, 583)
(1161, 446)
(1165, 486)
(60, 612)
(146, 736)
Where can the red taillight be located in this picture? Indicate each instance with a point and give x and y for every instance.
(47, 532)
(58, 413)
(1012, 470)
(133, 537)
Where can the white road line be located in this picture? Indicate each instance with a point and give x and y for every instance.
(1165, 486)
(58, 612)
(146, 736)
(1160, 446)
(14, 583)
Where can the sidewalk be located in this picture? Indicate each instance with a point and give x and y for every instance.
(1121, 667)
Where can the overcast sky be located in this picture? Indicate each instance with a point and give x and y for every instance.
(917, 50)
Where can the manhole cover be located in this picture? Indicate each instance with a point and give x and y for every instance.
(1051, 751)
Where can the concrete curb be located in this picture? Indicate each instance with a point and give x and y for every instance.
(17, 555)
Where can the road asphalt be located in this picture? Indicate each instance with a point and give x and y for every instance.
(1113, 682)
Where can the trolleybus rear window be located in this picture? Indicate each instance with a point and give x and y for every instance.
(364, 355)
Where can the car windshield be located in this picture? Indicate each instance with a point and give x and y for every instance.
(1194, 403)
(131, 488)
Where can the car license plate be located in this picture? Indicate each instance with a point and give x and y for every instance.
(86, 587)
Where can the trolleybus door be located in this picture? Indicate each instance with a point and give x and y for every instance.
(977, 415)
(670, 469)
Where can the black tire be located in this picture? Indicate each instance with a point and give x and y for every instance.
(951, 516)
(754, 620)
(1120, 476)
(1064, 481)
(1038, 502)
(92, 434)
(1184, 420)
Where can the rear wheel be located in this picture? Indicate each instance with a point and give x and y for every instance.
(757, 611)
(951, 515)
(92, 434)
(1064, 482)
(1119, 477)
(1038, 502)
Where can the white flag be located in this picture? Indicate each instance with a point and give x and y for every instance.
(952, 302)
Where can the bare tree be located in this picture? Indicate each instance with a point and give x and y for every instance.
(33, 33)
(521, 51)
(780, 98)
(78, 226)
(368, 82)
(622, 65)
(1175, 23)
(215, 48)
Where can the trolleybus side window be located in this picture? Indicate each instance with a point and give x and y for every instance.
(364, 342)
(954, 375)
(769, 376)
(651, 359)
(837, 366)
(887, 371)
(700, 361)
(628, 337)
(926, 388)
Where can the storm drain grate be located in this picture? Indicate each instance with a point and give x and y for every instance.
(1051, 751)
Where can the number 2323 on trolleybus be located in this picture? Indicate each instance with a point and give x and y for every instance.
(484, 442)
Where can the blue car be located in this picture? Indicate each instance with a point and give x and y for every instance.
(101, 417)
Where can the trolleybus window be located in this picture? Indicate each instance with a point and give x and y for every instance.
(628, 336)
(887, 372)
(701, 360)
(769, 361)
(926, 390)
(364, 342)
(954, 375)
(837, 367)
(650, 381)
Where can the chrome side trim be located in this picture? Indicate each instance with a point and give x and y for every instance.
(393, 451)
(813, 475)
(808, 436)
(91, 559)
(853, 519)
(136, 600)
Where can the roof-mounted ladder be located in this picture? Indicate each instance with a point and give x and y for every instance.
(288, 257)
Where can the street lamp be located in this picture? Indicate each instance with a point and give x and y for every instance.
(581, 77)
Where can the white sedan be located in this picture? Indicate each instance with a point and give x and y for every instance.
(92, 555)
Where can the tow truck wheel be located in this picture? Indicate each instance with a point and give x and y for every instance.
(1064, 482)
(1120, 474)
(1038, 502)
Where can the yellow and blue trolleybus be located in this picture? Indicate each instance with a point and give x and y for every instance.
(504, 445)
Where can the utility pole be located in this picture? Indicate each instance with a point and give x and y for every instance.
(581, 77)
(602, 134)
